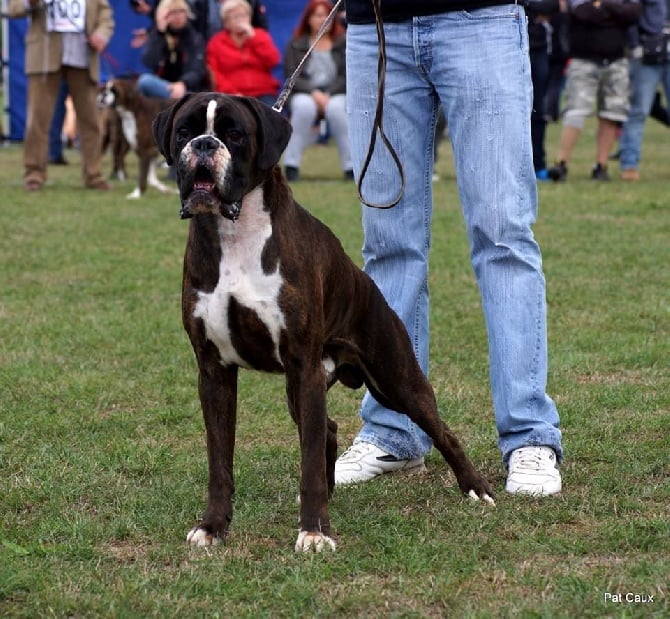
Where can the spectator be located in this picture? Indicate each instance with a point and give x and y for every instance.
(259, 18)
(56, 156)
(558, 60)
(648, 70)
(148, 9)
(539, 43)
(240, 58)
(659, 111)
(197, 18)
(174, 52)
(474, 62)
(319, 90)
(63, 45)
(597, 75)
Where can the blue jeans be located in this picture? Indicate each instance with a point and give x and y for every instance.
(644, 81)
(476, 64)
(150, 85)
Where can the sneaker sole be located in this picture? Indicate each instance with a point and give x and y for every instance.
(544, 490)
(409, 469)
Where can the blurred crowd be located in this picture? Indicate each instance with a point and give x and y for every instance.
(608, 58)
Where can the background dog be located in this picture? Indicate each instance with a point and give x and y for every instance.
(136, 113)
(267, 286)
(114, 140)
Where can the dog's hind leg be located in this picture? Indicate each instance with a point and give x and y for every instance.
(395, 379)
(152, 179)
(418, 403)
(217, 387)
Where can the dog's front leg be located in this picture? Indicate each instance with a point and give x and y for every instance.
(217, 387)
(306, 390)
(145, 164)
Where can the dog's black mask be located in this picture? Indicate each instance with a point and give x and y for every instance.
(222, 147)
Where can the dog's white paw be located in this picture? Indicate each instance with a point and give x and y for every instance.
(198, 536)
(135, 194)
(486, 498)
(311, 541)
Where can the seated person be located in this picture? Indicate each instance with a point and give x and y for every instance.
(240, 58)
(319, 91)
(259, 18)
(174, 52)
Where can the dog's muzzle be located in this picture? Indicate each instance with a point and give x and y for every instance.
(229, 211)
(203, 170)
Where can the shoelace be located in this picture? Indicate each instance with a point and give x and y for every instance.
(353, 452)
(532, 459)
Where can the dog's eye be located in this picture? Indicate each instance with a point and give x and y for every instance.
(234, 136)
(182, 134)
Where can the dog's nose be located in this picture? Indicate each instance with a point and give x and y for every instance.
(205, 145)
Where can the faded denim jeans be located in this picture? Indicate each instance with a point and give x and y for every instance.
(477, 65)
(645, 79)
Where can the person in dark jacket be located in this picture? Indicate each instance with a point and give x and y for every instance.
(597, 77)
(647, 73)
(558, 60)
(319, 90)
(175, 54)
(539, 43)
(470, 57)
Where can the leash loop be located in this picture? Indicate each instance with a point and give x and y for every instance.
(378, 123)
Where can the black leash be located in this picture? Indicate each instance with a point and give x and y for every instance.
(378, 124)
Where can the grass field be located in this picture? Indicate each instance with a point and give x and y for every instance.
(102, 455)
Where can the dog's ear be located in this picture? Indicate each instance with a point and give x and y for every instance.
(274, 132)
(161, 128)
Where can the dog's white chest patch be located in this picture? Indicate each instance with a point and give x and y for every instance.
(129, 126)
(241, 277)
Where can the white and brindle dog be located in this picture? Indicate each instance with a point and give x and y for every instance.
(137, 113)
(266, 286)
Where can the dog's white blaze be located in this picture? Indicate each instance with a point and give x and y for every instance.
(211, 115)
(241, 276)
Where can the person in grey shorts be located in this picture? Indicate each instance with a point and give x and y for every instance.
(597, 78)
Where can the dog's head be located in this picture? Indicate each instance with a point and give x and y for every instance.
(222, 147)
(106, 95)
(116, 92)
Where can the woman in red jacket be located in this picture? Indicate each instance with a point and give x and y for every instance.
(240, 58)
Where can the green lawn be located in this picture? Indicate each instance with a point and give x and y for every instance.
(102, 457)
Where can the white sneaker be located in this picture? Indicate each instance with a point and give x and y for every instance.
(532, 470)
(364, 461)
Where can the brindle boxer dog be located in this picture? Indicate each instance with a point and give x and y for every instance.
(137, 113)
(268, 287)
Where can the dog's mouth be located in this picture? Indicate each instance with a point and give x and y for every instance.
(205, 197)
